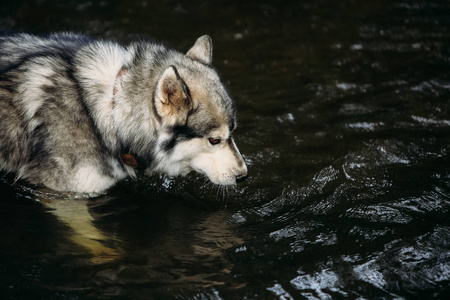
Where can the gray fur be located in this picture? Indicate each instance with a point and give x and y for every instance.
(67, 116)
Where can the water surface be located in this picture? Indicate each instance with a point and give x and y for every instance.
(344, 121)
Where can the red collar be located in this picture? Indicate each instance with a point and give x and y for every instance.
(129, 160)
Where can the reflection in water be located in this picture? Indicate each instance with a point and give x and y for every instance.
(75, 214)
(344, 122)
(116, 245)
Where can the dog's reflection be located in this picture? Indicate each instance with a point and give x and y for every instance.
(186, 235)
(73, 211)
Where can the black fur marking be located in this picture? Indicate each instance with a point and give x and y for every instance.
(170, 144)
(49, 89)
(186, 90)
(38, 149)
(180, 133)
(232, 124)
(155, 112)
(8, 82)
(235, 151)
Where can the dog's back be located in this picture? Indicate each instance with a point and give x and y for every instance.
(17, 49)
(42, 113)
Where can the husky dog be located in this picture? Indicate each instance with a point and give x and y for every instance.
(78, 114)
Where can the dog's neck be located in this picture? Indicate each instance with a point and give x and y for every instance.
(127, 158)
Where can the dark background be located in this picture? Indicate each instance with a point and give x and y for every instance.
(344, 122)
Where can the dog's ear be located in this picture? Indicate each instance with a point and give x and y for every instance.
(202, 50)
(171, 99)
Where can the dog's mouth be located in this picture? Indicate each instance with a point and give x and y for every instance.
(223, 178)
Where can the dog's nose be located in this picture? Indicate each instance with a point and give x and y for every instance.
(241, 177)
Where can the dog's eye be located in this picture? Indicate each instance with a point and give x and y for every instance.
(214, 141)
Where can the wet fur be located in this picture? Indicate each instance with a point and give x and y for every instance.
(70, 106)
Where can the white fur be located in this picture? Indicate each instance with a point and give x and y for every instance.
(97, 68)
(31, 89)
(221, 165)
(89, 180)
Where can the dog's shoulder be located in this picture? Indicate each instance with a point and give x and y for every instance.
(98, 63)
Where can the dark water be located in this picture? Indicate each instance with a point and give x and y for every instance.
(344, 122)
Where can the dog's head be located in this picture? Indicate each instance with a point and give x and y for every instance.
(197, 119)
